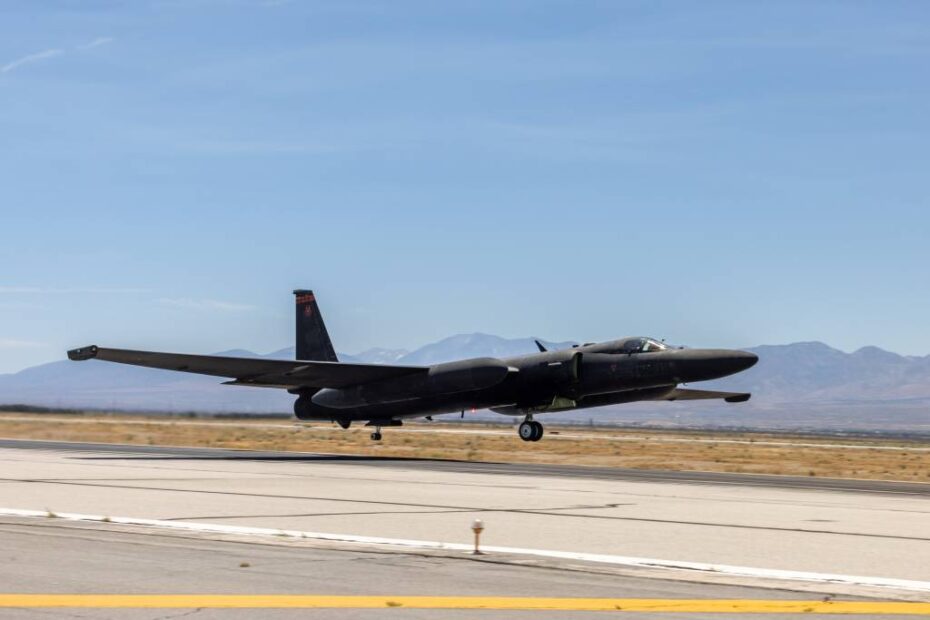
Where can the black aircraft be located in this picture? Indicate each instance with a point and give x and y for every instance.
(591, 375)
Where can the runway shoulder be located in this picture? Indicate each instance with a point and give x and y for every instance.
(601, 473)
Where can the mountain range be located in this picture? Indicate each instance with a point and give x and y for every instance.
(802, 386)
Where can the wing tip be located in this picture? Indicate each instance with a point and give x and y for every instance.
(83, 353)
(738, 398)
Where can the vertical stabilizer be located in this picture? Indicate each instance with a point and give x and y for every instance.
(313, 342)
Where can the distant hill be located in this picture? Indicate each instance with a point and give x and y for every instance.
(805, 385)
(810, 385)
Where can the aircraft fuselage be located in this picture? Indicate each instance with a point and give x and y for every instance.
(593, 375)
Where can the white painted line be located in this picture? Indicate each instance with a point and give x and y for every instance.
(619, 560)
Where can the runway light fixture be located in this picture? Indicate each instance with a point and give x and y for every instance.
(477, 527)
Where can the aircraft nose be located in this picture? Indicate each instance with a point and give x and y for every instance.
(731, 362)
(704, 364)
(743, 360)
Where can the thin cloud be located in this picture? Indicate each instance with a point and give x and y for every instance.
(95, 43)
(89, 290)
(51, 53)
(203, 304)
(21, 305)
(29, 59)
(12, 343)
(251, 147)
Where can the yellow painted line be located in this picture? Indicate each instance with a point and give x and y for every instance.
(269, 601)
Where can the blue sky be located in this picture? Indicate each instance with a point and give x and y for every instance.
(715, 173)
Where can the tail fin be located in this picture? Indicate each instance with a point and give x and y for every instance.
(312, 338)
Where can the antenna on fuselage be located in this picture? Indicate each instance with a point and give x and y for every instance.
(542, 349)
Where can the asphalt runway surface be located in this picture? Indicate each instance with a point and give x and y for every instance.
(849, 527)
(57, 557)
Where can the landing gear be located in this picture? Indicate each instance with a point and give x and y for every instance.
(530, 430)
(378, 423)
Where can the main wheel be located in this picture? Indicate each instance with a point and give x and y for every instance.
(538, 431)
(527, 431)
(376, 436)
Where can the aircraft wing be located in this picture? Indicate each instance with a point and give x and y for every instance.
(253, 371)
(684, 394)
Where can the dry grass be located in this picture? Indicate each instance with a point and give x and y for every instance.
(671, 450)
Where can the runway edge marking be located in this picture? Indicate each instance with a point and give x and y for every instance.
(619, 560)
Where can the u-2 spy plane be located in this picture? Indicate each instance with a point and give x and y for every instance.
(590, 375)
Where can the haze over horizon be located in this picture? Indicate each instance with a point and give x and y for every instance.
(797, 386)
(575, 171)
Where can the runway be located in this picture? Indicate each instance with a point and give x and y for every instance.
(155, 453)
(847, 527)
(58, 557)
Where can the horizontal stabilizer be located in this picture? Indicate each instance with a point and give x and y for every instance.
(254, 371)
(684, 394)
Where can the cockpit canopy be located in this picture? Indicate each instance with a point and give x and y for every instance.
(649, 345)
(634, 345)
(654, 345)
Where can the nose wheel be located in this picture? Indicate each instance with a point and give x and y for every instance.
(376, 436)
(530, 431)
